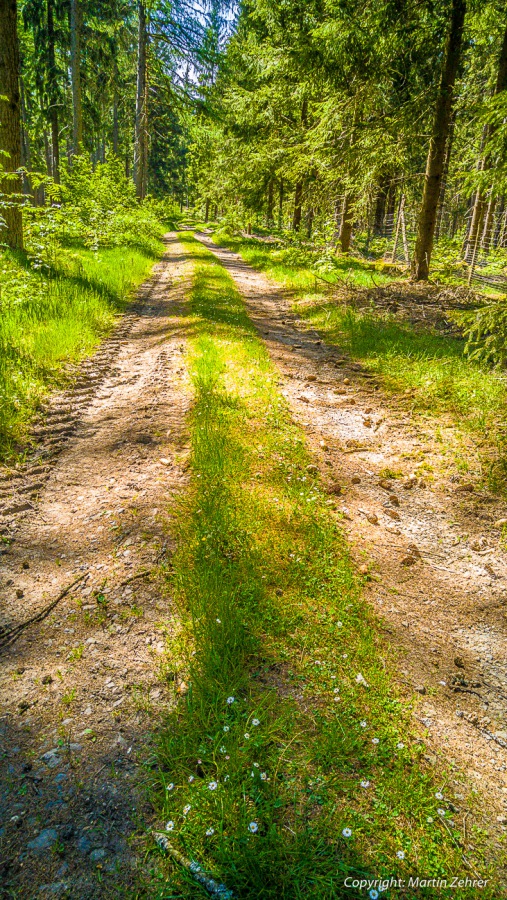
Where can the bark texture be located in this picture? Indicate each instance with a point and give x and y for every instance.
(141, 131)
(75, 65)
(10, 125)
(436, 153)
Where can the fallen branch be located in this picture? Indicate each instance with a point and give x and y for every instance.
(134, 577)
(212, 886)
(14, 633)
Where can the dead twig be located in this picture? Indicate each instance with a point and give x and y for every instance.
(14, 633)
(134, 577)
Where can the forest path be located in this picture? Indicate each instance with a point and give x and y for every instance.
(436, 560)
(81, 689)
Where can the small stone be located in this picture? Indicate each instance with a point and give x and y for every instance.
(20, 593)
(84, 845)
(420, 689)
(335, 489)
(502, 820)
(408, 560)
(26, 565)
(165, 461)
(372, 518)
(20, 670)
(367, 422)
(383, 483)
(459, 662)
(355, 479)
(394, 500)
(312, 469)
(346, 380)
(97, 855)
(363, 570)
(47, 679)
(414, 550)
(44, 840)
(393, 514)
(311, 378)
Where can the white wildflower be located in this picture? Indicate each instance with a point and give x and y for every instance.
(212, 786)
(169, 826)
(347, 832)
(253, 827)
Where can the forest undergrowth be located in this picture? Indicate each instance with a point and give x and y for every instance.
(442, 383)
(63, 293)
(290, 765)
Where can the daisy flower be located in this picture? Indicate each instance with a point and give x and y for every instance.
(253, 827)
(222, 749)
(439, 796)
(401, 854)
(365, 784)
(170, 787)
(230, 700)
(429, 820)
(400, 745)
(226, 728)
(191, 779)
(373, 894)
(347, 832)
(209, 832)
(169, 826)
(212, 786)
(255, 722)
(264, 777)
(219, 621)
(247, 737)
(363, 724)
(375, 741)
(441, 812)
(186, 809)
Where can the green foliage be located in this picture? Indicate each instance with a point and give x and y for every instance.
(279, 748)
(485, 331)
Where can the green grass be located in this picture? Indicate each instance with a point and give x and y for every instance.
(290, 704)
(432, 367)
(48, 322)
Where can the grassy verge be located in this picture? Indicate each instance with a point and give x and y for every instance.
(289, 769)
(430, 367)
(47, 322)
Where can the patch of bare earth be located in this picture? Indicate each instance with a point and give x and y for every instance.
(434, 555)
(80, 688)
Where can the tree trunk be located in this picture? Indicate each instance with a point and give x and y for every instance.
(441, 196)
(436, 153)
(53, 96)
(499, 220)
(298, 202)
(390, 208)
(271, 203)
(309, 222)
(485, 163)
(26, 154)
(206, 214)
(141, 127)
(75, 67)
(346, 224)
(280, 204)
(10, 124)
(380, 204)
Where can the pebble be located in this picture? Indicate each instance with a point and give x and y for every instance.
(355, 479)
(393, 514)
(420, 689)
(372, 518)
(44, 840)
(408, 560)
(458, 661)
(98, 854)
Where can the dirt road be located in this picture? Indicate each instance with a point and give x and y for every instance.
(429, 543)
(80, 690)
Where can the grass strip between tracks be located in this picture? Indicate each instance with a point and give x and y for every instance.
(289, 768)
